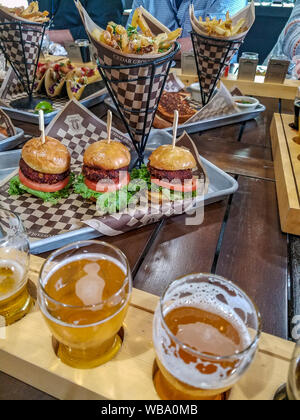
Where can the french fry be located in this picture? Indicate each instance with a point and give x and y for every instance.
(238, 27)
(172, 36)
(222, 28)
(31, 13)
(143, 25)
(135, 18)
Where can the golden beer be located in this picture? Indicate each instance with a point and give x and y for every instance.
(84, 300)
(15, 301)
(202, 341)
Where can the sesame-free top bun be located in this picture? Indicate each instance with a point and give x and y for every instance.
(107, 155)
(52, 157)
(167, 158)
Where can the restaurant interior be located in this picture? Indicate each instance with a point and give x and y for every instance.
(149, 202)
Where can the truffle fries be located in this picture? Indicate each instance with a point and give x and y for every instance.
(130, 41)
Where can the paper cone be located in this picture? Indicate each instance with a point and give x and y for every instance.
(132, 87)
(213, 54)
(14, 34)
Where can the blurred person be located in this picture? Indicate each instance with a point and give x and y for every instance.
(288, 43)
(67, 25)
(175, 13)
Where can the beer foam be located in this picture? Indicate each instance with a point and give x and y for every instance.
(211, 298)
(19, 272)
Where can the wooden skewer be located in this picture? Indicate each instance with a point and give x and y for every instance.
(109, 124)
(42, 125)
(175, 128)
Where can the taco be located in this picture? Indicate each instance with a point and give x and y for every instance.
(56, 76)
(79, 78)
(40, 75)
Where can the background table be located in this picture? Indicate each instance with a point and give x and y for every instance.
(240, 238)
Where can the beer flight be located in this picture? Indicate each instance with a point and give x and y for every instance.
(205, 329)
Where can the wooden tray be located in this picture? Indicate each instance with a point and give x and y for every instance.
(288, 90)
(27, 355)
(286, 155)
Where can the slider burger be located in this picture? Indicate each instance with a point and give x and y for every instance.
(172, 174)
(105, 170)
(44, 170)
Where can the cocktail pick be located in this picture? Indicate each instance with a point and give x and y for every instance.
(175, 128)
(42, 125)
(109, 124)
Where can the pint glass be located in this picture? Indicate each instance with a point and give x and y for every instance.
(205, 333)
(15, 301)
(84, 292)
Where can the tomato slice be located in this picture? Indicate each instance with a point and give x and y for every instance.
(188, 186)
(43, 187)
(109, 185)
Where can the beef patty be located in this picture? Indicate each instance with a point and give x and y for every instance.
(40, 178)
(170, 175)
(97, 174)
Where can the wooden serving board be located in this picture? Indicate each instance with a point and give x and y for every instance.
(288, 90)
(286, 155)
(27, 355)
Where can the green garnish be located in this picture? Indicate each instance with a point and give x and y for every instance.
(131, 30)
(44, 106)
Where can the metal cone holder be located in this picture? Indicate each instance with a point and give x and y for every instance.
(212, 56)
(146, 111)
(21, 44)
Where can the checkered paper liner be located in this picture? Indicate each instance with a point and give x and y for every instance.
(6, 123)
(131, 86)
(76, 128)
(213, 54)
(13, 37)
(222, 103)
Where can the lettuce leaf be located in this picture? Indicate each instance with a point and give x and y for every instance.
(17, 188)
(144, 175)
(107, 203)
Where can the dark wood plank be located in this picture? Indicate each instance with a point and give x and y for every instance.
(12, 389)
(235, 157)
(254, 252)
(131, 243)
(295, 276)
(180, 249)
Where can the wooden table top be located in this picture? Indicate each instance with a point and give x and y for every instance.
(240, 238)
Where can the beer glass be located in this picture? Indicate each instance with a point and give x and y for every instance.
(15, 301)
(293, 385)
(291, 390)
(84, 292)
(205, 333)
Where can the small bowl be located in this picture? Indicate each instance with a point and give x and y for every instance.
(246, 102)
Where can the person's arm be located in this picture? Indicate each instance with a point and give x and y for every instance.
(60, 36)
(288, 43)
